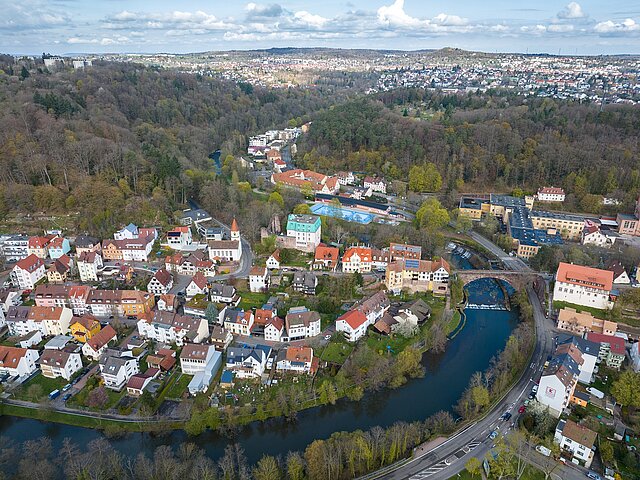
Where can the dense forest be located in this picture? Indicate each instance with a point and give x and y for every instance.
(121, 142)
(480, 142)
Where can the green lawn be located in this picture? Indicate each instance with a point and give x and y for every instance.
(596, 312)
(453, 323)
(80, 399)
(397, 343)
(336, 352)
(179, 387)
(252, 300)
(38, 388)
(530, 473)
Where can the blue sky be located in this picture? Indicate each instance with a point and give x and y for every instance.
(77, 26)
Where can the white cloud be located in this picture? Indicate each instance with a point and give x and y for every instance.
(310, 19)
(628, 26)
(175, 19)
(104, 41)
(573, 10)
(452, 20)
(255, 10)
(560, 28)
(394, 15)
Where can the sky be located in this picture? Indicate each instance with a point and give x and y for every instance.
(153, 26)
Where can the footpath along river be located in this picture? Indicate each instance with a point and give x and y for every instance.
(447, 375)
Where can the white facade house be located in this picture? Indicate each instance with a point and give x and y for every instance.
(295, 360)
(586, 286)
(160, 283)
(551, 194)
(27, 272)
(306, 229)
(376, 184)
(274, 330)
(248, 362)
(589, 351)
(592, 234)
(357, 259)
(180, 238)
(577, 440)
(59, 363)
(355, 322)
(201, 361)
(89, 263)
(116, 368)
(302, 323)
(99, 343)
(273, 262)
(18, 362)
(168, 327)
(259, 279)
(557, 383)
(197, 286)
(634, 353)
(48, 321)
(237, 321)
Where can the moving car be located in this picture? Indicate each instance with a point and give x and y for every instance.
(493, 435)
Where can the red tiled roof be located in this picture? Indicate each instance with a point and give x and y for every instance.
(616, 344)
(101, 338)
(586, 276)
(30, 263)
(363, 252)
(354, 318)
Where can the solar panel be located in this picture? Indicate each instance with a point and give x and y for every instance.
(412, 263)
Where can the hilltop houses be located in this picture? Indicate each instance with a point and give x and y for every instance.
(302, 179)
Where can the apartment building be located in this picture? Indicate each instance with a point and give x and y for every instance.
(586, 286)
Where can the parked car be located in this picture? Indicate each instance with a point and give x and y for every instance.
(522, 409)
(507, 416)
(66, 387)
(493, 435)
(593, 475)
(535, 389)
(66, 397)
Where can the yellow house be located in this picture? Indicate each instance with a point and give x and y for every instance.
(111, 250)
(136, 303)
(85, 327)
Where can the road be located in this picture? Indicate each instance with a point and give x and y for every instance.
(442, 462)
(510, 263)
(246, 259)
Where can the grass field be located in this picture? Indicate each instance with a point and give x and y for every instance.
(452, 324)
(38, 388)
(596, 312)
(252, 300)
(179, 387)
(336, 352)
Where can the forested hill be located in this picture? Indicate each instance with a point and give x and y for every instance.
(122, 138)
(484, 142)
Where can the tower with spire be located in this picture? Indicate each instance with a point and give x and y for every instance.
(235, 231)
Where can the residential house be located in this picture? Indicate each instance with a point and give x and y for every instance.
(84, 328)
(259, 279)
(160, 283)
(86, 244)
(248, 362)
(39, 246)
(227, 250)
(550, 194)
(180, 238)
(60, 269)
(47, 320)
(306, 230)
(346, 178)
(197, 286)
(592, 234)
(14, 247)
(59, 363)
(77, 296)
(355, 322)
(418, 276)
(140, 381)
(167, 327)
(223, 293)
(58, 246)
(116, 368)
(558, 381)
(95, 346)
(18, 362)
(586, 286)
(9, 297)
(380, 259)
(194, 263)
(406, 320)
(167, 302)
(357, 259)
(273, 262)
(89, 263)
(403, 250)
(302, 323)
(105, 303)
(376, 184)
(326, 258)
(612, 350)
(274, 330)
(31, 339)
(129, 250)
(576, 440)
(164, 359)
(221, 338)
(581, 323)
(305, 282)
(620, 276)
(201, 361)
(27, 272)
(237, 321)
(588, 350)
(295, 360)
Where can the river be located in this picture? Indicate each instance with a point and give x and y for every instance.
(447, 375)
